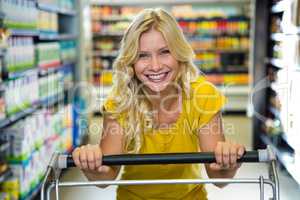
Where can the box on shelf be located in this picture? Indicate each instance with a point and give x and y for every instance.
(48, 55)
(20, 14)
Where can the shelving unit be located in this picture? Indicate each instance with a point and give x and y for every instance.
(55, 37)
(39, 69)
(276, 77)
(56, 9)
(4, 176)
(221, 42)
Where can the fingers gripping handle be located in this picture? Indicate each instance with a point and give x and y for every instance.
(264, 155)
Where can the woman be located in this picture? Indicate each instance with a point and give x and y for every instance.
(159, 104)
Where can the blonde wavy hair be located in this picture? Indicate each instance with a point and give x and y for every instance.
(126, 91)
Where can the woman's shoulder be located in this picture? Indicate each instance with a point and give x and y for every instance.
(205, 96)
(202, 86)
(204, 102)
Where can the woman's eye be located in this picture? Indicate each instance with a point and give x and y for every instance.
(143, 55)
(165, 51)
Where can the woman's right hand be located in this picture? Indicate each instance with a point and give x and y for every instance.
(89, 158)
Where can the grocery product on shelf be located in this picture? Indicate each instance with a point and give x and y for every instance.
(33, 140)
(17, 90)
(68, 76)
(48, 55)
(68, 51)
(215, 26)
(51, 87)
(228, 79)
(61, 4)
(20, 54)
(99, 12)
(21, 14)
(48, 22)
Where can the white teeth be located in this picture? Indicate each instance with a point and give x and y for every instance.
(157, 77)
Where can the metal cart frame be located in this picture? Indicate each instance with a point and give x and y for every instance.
(59, 162)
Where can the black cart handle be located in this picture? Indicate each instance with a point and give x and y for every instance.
(264, 155)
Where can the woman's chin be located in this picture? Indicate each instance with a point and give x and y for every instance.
(158, 88)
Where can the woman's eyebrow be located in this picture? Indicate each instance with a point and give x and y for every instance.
(162, 48)
(140, 51)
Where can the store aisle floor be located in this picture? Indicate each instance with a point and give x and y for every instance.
(237, 128)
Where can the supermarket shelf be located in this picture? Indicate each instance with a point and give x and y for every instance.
(159, 2)
(4, 176)
(43, 72)
(237, 98)
(63, 11)
(18, 74)
(235, 90)
(284, 157)
(116, 18)
(223, 50)
(4, 123)
(108, 34)
(222, 72)
(4, 146)
(56, 9)
(283, 36)
(17, 116)
(69, 62)
(280, 6)
(202, 19)
(105, 54)
(192, 35)
(23, 32)
(50, 64)
(278, 36)
(51, 37)
(22, 114)
(51, 101)
(276, 62)
(14, 118)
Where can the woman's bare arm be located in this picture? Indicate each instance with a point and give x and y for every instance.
(211, 138)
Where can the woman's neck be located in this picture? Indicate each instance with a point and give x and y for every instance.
(164, 99)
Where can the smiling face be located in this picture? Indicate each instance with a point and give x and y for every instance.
(155, 67)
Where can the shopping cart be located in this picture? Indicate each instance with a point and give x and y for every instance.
(60, 161)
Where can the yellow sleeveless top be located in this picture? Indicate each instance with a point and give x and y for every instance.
(204, 102)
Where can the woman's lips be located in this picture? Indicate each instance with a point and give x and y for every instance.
(160, 77)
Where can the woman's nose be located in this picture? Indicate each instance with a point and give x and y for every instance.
(155, 63)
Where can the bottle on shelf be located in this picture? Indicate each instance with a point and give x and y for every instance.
(47, 22)
(20, 54)
(21, 14)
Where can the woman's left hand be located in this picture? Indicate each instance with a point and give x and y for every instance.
(227, 154)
